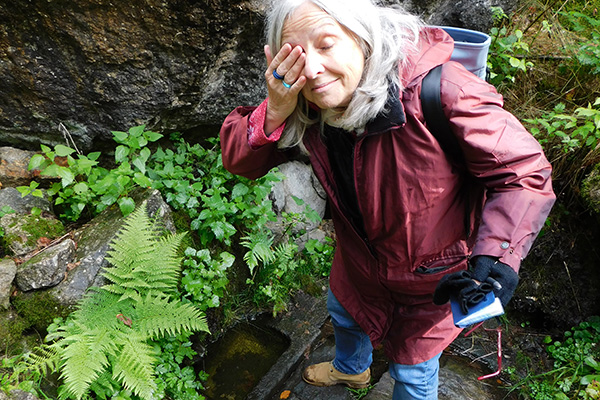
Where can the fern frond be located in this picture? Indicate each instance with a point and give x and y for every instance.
(133, 246)
(40, 361)
(286, 251)
(259, 246)
(109, 330)
(163, 272)
(83, 362)
(158, 316)
(141, 260)
(96, 310)
(134, 367)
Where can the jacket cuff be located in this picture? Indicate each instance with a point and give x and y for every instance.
(256, 128)
(502, 249)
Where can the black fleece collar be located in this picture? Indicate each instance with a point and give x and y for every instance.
(391, 116)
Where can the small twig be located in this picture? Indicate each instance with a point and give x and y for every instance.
(572, 287)
(68, 136)
(482, 357)
(38, 251)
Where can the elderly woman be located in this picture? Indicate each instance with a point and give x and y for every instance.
(344, 80)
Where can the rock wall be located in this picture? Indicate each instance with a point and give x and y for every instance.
(101, 65)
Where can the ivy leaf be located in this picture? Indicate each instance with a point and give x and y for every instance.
(127, 205)
(239, 190)
(145, 154)
(94, 156)
(137, 131)
(66, 176)
(142, 180)
(36, 161)
(152, 136)
(51, 170)
(140, 164)
(119, 136)
(81, 187)
(63, 151)
(121, 153)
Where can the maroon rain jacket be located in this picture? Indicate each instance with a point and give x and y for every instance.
(412, 200)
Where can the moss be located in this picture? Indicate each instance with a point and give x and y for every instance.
(13, 339)
(590, 190)
(35, 227)
(38, 309)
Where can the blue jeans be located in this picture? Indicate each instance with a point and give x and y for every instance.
(354, 354)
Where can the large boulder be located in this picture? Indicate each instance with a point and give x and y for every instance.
(73, 71)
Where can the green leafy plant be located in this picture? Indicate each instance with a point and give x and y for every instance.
(108, 339)
(193, 178)
(508, 55)
(175, 380)
(82, 184)
(278, 269)
(358, 394)
(576, 372)
(570, 132)
(272, 268)
(204, 279)
(586, 52)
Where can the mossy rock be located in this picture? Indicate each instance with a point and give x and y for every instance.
(590, 190)
(22, 231)
(13, 337)
(38, 309)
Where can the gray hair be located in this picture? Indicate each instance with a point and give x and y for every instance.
(386, 36)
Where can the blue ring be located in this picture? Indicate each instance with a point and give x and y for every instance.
(276, 75)
(287, 85)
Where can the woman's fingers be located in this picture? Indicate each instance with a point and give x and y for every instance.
(287, 63)
(285, 85)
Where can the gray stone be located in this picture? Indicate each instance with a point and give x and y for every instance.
(93, 241)
(8, 270)
(11, 197)
(47, 268)
(301, 324)
(13, 167)
(22, 231)
(18, 395)
(299, 182)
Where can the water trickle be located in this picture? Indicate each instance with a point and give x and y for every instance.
(239, 359)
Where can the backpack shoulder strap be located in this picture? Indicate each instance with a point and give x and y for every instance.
(438, 125)
(435, 119)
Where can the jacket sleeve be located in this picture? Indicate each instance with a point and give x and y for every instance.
(506, 158)
(239, 157)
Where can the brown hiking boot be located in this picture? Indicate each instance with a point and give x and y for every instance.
(324, 374)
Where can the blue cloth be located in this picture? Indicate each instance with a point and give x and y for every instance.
(354, 354)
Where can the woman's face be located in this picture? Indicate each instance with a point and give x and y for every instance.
(334, 60)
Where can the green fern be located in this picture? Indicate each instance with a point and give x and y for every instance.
(111, 330)
(259, 248)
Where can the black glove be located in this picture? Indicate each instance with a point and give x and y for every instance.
(461, 286)
(484, 267)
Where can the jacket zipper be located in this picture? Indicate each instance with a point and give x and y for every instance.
(354, 176)
(365, 239)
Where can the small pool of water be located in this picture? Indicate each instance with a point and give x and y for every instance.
(238, 360)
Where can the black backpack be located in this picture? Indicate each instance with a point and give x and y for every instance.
(470, 49)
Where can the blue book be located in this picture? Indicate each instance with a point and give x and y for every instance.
(489, 307)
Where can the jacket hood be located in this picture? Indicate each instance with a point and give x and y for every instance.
(434, 48)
